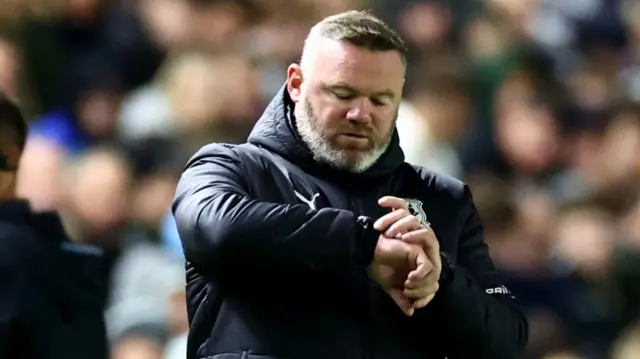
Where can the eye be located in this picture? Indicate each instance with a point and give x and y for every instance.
(378, 102)
(343, 96)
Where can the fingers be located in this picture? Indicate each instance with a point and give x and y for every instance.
(422, 302)
(393, 202)
(422, 291)
(422, 283)
(423, 256)
(404, 303)
(384, 222)
(417, 282)
(407, 224)
(422, 266)
(399, 221)
(422, 287)
(426, 239)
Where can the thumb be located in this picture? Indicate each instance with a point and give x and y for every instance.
(422, 266)
(401, 300)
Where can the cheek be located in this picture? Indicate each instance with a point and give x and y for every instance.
(330, 113)
(384, 120)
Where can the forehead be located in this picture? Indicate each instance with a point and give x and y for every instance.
(341, 62)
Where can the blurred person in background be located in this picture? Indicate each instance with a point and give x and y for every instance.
(96, 191)
(197, 96)
(296, 204)
(9, 67)
(433, 116)
(62, 135)
(217, 25)
(147, 281)
(51, 297)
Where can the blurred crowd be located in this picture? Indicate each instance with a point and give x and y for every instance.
(535, 103)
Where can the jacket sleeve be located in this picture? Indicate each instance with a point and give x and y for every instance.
(6, 311)
(222, 225)
(14, 292)
(479, 317)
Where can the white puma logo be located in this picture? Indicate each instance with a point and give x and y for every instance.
(310, 202)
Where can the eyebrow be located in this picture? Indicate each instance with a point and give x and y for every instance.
(341, 85)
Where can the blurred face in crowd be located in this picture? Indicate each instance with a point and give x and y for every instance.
(526, 129)
(192, 85)
(528, 138)
(98, 189)
(9, 68)
(425, 24)
(584, 238)
(346, 101)
(38, 176)
(151, 197)
(167, 21)
(619, 150)
(217, 24)
(97, 112)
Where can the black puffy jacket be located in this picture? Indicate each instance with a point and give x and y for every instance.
(277, 257)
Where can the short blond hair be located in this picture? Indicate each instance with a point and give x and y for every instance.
(358, 28)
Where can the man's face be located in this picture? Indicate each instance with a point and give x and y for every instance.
(346, 102)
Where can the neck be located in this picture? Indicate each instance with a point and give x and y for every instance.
(7, 187)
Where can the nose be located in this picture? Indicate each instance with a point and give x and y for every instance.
(359, 112)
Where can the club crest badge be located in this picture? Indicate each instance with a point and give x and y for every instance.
(415, 207)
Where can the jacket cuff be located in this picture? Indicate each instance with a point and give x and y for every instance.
(366, 241)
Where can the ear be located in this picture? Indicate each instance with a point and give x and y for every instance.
(294, 82)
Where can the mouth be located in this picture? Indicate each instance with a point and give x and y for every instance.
(354, 142)
(355, 135)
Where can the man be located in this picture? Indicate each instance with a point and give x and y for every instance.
(316, 240)
(50, 298)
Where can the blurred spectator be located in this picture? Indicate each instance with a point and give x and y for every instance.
(216, 24)
(96, 188)
(433, 118)
(9, 67)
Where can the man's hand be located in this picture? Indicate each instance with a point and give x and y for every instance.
(393, 263)
(402, 225)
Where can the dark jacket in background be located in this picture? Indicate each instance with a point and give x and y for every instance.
(51, 297)
(277, 257)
